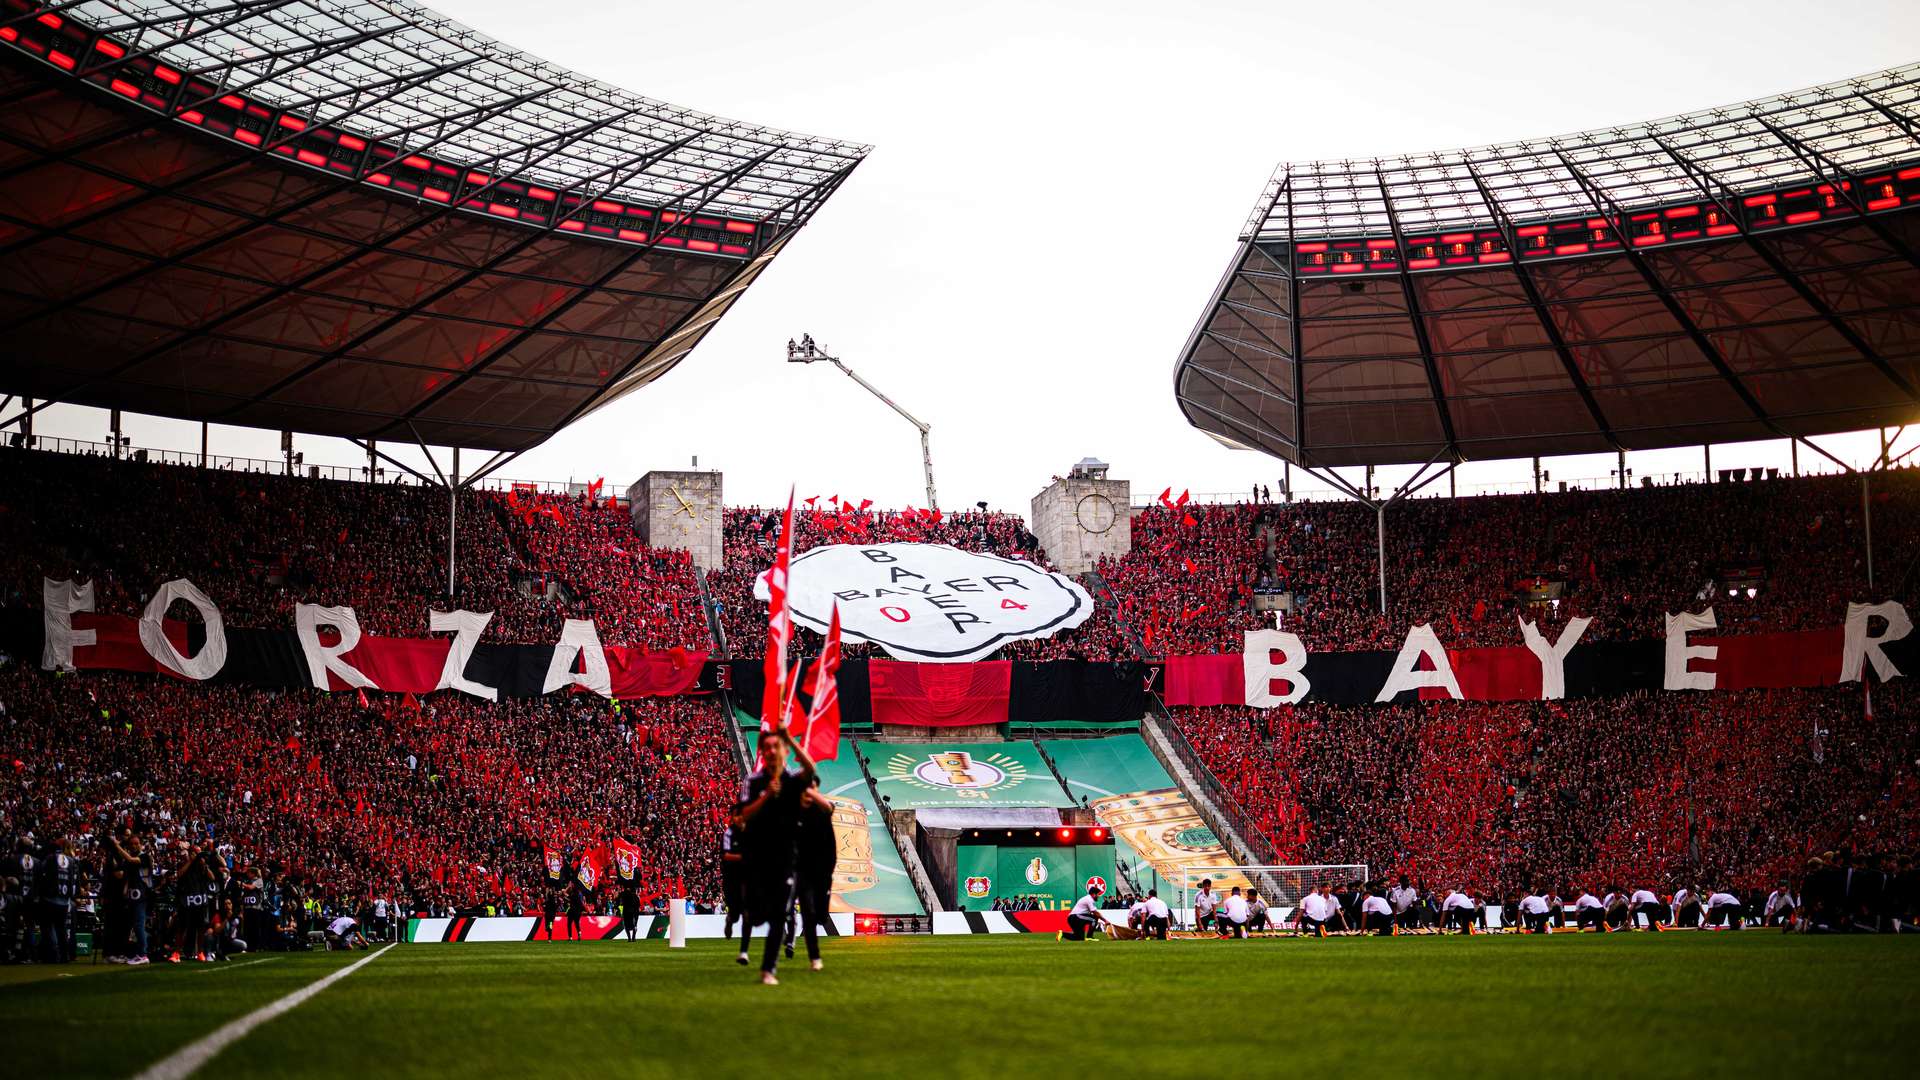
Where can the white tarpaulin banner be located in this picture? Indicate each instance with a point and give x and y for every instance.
(930, 602)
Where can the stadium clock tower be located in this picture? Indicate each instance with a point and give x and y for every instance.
(1083, 517)
(679, 510)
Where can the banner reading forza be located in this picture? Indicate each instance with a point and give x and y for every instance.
(930, 602)
(325, 649)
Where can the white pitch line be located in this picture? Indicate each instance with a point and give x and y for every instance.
(232, 965)
(188, 1059)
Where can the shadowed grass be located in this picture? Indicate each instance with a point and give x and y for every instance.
(1020, 1006)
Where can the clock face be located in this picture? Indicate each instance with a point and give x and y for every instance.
(686, 505)
(1096, 513)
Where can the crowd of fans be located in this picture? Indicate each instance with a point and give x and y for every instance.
(1739, 787)
(291, 810)
(257, 544)
(442, 804)
(1470, 566)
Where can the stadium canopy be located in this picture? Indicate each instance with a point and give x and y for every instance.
(1746, 272)
(359, 218)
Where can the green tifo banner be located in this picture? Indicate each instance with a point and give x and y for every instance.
(918, 776)
(1050, 877)
(869, 876)
(1159, 835)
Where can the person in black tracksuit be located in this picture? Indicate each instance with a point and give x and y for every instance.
(815, 858)
(576, 904)
(773, 795)
(549, 906)
(58, 885)
(733, 871)
(628, 903)
(16, 922)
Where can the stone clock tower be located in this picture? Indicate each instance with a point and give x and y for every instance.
(679, 510)
(1084, 516)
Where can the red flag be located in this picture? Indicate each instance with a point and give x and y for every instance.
(626, 859)
(362, 695)
(774, 701)
(1166, 497)
(819, 732)
(593, 489)
(1184, 496)
(593, 863)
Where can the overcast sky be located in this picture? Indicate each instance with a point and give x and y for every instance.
(1055, 191)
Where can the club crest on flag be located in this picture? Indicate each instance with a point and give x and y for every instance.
(979, 888)
(925, 602)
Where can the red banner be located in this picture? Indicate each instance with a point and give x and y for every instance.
(939, 695)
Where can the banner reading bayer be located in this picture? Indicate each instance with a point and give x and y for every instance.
(916, 776)
(930, 602)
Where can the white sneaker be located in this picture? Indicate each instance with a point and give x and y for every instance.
(767, 979)
(819, 965)
(136, 961)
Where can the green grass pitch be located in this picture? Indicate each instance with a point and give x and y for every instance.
(1753, 1003)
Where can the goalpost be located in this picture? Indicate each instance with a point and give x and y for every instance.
(1280, 886)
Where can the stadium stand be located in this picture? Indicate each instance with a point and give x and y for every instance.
(1623, 558)
(447, 801)
(1738, 787)
(258, 543)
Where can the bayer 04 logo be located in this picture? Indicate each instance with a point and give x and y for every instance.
(959, 771)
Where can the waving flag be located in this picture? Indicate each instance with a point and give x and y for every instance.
(593, 865)
(776, 702)
(626, 859)
(819, 731)
(555, 861)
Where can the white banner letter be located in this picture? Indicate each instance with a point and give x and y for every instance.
(1553, 655)
(578, 637)
(1861, 647)
(1421, 641)
(307, 621)
(466, 627)
(212, 656)
(59, 600)
(1262, 671)
(1679, 652)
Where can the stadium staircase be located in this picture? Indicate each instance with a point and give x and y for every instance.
(1219, 809)
(1103, 593)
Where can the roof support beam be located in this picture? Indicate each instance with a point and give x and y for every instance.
(374, 448)
(241, 310)
(1843, 184)
(498, 460)
(1415, 317)
(514, 341)
(190, 181)
(1293, 324)
(1711, 187)
(1552, 329)
(456, 282)
(1605, 206)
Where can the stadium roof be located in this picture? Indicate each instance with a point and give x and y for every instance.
(359, 218)
(1745, 272)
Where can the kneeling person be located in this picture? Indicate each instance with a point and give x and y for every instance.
(1085, 916)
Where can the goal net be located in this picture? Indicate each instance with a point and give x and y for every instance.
(1280, 886)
